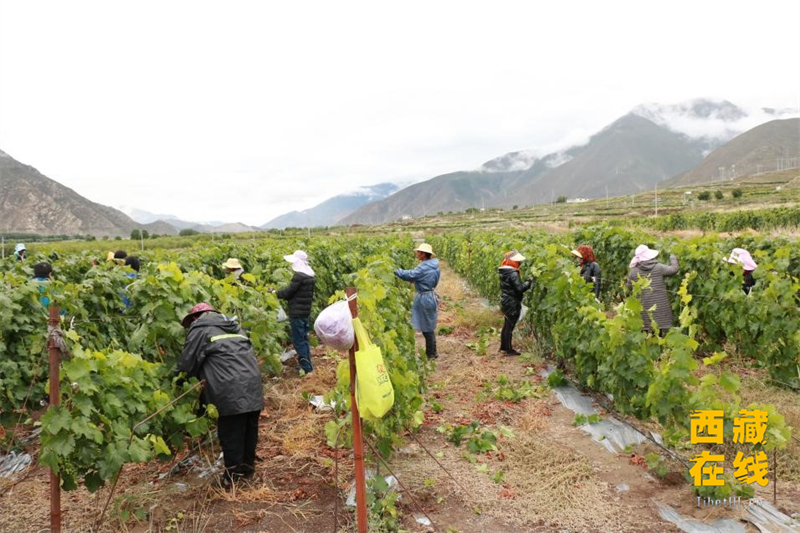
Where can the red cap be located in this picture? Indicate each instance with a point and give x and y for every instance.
(202, 307)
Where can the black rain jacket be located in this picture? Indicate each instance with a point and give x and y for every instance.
(512, 288)
(218, 351)
(591, 273)
(300, 295)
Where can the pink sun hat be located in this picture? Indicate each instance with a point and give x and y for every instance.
(642, 253)
(740, 256)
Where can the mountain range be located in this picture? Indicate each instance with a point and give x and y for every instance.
(768, 147)
(694, 142)
(215, 226)
(332, 210)
(650, 144)
(30, 202)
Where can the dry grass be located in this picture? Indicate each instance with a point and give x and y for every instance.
(25, 508)
(293, 430)
(473, 319)
(289, 428)
(536, 417)
(545, 484)
(787, 403)
(556, 485)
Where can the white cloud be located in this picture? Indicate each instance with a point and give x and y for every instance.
(559, 159)
(723, 121)
(241, 111)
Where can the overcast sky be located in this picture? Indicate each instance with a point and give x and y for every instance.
(240, 111)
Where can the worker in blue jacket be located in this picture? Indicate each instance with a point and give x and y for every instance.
(425, 311)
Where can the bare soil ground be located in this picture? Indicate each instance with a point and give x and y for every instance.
(546, 475)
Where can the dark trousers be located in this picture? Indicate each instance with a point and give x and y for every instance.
(430, 344)
(299, 327)
(238, 435)
(508, 329)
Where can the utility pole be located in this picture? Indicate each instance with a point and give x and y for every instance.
(606, 196)
(656, 199)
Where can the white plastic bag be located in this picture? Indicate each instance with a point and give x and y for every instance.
(282, 316)
(522, 314)
(334, 326)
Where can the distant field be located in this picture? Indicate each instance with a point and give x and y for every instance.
(765, 191)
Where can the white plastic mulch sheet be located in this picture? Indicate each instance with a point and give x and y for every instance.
(769, 520)
(764, 517)
(13, 463)
(318, 401)
(287, 355)
(370, 474)
(611, 433)
(690, 525)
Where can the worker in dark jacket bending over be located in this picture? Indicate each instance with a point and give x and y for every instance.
(590, 270)
(218, 351)
(512, 289)
(300, 295)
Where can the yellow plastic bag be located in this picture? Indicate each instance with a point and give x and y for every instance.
(374, 391)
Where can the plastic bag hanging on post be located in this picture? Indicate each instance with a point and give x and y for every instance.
(334, 326)
(374, 390)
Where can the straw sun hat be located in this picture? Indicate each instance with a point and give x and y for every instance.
(425, 248)
(232, 263)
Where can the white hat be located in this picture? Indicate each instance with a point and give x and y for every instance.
(514, 255)
(232, 263)
(577, 254)
(297, 255)
(425, 248)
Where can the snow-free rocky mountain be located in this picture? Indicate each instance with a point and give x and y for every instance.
(332, 210)
(214, 226)
(30, 202)
(766, 148)
(650, 144)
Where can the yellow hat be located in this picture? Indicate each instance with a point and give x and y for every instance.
(425, 248)
(233, 264)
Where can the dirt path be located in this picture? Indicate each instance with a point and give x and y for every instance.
(554, 477)
(545, 476)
